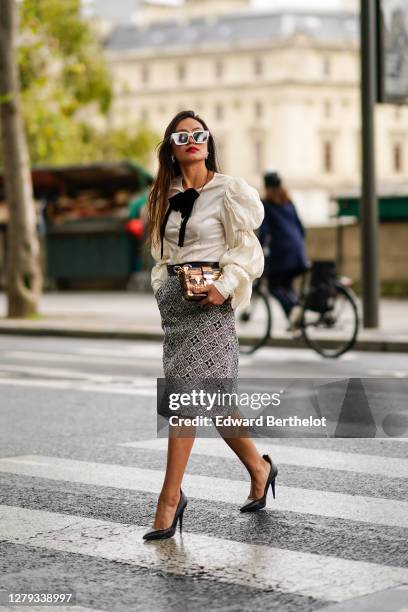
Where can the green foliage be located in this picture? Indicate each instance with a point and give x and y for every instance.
(123, 143)
(4, 99)
(64, 77)
(58, 51)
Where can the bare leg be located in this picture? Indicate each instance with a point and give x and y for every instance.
(178, 452)
(245, 449)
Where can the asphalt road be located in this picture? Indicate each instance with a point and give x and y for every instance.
(81, 467)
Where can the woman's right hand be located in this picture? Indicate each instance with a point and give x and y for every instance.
(214, 297)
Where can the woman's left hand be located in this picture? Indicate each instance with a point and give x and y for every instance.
(214, 297)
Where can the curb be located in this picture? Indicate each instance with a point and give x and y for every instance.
(380, 345)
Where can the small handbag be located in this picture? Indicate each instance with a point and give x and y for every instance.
(200, 276)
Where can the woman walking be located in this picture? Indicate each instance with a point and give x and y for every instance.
(198, 216)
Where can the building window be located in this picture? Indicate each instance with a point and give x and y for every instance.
(219, 111)
(327, 109)
(181, 72)
(258, 156)
(258, 66)
(258, 109)
(145, 73)
(219, 69)
(326, 67)
(327, 156)
(397, 157)
(221, 151)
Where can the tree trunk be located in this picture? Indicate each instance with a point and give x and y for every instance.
(24, 276)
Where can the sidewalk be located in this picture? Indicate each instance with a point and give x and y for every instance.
(135, 316)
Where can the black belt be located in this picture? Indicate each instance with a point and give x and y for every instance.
(194, 264)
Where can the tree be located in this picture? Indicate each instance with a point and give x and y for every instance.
(63, 75)
(24, 276)
(53, 82)
(65, 85)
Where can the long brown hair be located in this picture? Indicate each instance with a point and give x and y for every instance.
(278, 195)
(157, 200)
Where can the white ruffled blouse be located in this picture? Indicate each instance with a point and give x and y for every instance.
(220, 228)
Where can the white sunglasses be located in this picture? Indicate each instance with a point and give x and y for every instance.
(199, 137)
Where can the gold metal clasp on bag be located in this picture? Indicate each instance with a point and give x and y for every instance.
(193, 277)
(181, 269)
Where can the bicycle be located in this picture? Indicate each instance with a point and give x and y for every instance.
(328, 321)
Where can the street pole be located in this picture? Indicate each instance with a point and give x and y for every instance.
(369, 204)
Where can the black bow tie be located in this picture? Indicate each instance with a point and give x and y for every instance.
(181, 202)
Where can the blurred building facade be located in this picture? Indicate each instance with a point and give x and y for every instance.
(279, 90)
(160, 10)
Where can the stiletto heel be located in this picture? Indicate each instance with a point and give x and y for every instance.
(273, 487)
(181, 520)
(162, 534)
(258, 504)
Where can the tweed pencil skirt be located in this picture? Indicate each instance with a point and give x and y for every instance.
(200, 342)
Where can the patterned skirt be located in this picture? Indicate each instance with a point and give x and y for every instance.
(200, 342)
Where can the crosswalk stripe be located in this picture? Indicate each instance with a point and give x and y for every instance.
(290, 499)
(120, 357)
(251, 565)
(389, 600)
(295, 455)
(73, 375)
(22, 608)
(80, 386)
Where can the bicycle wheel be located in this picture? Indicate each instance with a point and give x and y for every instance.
(253, 324)
(333, 332)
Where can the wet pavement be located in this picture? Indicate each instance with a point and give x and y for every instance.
(81, 467)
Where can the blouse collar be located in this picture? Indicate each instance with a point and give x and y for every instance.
(177, 182)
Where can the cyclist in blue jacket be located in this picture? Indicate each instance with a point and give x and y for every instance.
(282, 236)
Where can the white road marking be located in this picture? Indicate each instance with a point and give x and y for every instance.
(57, 378)
(388, 600)
(147, 349)
(56, 373)
(386, 373)
(36, 608)
(107, 357)
(250, 565)
(272, 354)
(78, 386)
(296, 455)
(288, 499)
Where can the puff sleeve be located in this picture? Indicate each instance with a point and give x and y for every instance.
(159, 271)
(243, 261)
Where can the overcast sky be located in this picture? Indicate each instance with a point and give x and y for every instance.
(305, 4)
(121, 11)
(272, 4)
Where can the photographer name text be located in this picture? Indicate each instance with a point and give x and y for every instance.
(259, 421)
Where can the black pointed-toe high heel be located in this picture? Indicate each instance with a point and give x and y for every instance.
(258, 504)
(163, 534)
